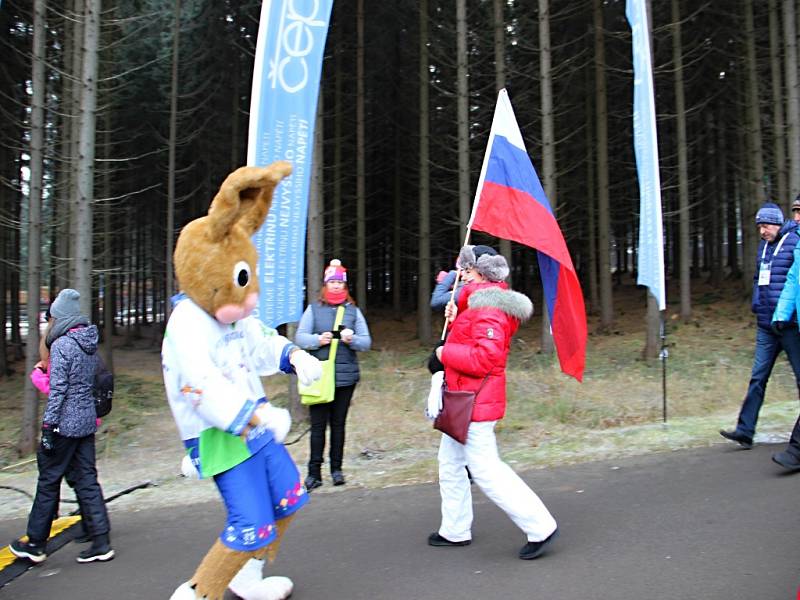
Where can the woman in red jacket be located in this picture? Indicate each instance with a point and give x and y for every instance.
(474, 356)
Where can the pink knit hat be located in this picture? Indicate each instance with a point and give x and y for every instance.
(335, 272)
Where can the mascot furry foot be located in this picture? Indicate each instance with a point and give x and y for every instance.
(247, 585)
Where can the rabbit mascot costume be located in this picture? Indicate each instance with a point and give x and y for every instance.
(213, 354)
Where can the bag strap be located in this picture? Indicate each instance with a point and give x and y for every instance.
(336, 323)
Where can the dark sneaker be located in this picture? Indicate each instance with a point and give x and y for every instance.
(338, 478)
(745, 441)
(435, 539)
(312, 483)
(33, 552)
(787, 460)
(533, 550)
(96, 553)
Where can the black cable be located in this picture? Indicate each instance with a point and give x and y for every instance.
(298, 438)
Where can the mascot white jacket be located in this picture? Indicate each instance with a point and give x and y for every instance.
(213, 355)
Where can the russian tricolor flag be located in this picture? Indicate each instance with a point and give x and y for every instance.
(510, 204)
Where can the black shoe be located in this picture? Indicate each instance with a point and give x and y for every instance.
(533, 550)
(33, 552)
(100, 551)
(312, 483)
(787, 460)
(338, 478)
(745, 441)
(435, 539)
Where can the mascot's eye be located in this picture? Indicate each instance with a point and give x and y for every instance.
(241, 274)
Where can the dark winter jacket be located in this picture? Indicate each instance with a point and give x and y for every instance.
(70, 405)
(765, 297)
(478, 345)
(319, 318)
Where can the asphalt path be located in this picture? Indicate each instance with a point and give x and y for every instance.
(712, 523)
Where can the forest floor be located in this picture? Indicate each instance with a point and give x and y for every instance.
(551, 418)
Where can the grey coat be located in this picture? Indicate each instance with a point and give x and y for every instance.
(70, 405)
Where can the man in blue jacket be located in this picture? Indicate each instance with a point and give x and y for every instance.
(774, 259)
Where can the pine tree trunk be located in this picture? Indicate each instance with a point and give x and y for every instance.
(361, 190)
(462, 100)
(793, 95)
(30, 409)
(424, 332)
(86, 150)
(173, 129)
(548, 144)
(315, 239)
(755, 195)
(603, 204)
(778, 133)
(684, 237)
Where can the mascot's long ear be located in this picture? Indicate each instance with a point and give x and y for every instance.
(255, 211)
(245, 196)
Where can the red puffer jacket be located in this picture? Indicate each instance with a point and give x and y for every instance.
(478, 344)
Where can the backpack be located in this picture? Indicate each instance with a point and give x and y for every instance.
(103, 388)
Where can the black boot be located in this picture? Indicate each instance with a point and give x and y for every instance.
(313, 481)
(787, 460)
(100, 550)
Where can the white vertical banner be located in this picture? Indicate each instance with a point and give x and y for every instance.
(286, 76)
(645, 141)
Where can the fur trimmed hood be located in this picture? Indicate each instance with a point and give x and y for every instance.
(512, 303)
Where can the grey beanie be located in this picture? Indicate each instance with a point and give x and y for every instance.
(485, 260)
(66, 304)
(769, 214)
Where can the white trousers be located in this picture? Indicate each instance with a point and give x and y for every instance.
(495, 478)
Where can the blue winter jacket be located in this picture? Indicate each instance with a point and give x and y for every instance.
(765, 297)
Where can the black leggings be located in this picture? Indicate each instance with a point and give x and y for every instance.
(335, 414)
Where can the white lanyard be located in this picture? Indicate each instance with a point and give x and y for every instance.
(765, 268)
(777, 248)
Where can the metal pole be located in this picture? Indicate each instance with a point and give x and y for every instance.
(663, 357)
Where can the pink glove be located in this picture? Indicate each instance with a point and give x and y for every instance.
(41, 380)
(440, 276)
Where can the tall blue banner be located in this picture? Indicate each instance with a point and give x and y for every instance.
(645, 141)
(289, 49)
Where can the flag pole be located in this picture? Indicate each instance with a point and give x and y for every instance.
(478, 189)
(475, 200)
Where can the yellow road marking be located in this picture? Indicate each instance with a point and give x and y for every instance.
(59, 525)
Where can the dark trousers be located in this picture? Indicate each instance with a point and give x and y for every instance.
(76, 456)
(768, 346)
(333, 414)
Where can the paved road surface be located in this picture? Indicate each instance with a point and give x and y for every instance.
(714, 523)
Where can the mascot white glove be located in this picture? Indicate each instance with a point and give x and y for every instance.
(307, 367)
(434, 405)
(188, 469)
(277, 420)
